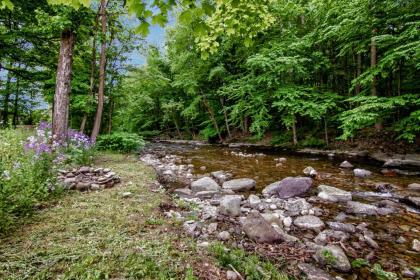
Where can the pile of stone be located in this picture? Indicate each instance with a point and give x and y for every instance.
(88, 178)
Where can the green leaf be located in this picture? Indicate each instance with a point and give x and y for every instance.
(143, 29)
(6, 4)
(159, 19)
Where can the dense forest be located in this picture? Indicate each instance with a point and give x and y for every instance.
(307, 72)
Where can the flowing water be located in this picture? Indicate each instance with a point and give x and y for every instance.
(264, 169)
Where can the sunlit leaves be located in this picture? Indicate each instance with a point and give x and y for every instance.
(6, 4)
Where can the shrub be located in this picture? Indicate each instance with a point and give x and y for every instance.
(120, 142)
(382, 274)
(25, 178)
(312, 142)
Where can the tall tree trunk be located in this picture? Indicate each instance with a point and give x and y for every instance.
(110, 111)
(92, 70)
(213, 119)
(177, 126)
(326, 131)
(358, 72)
(225, 115)
(16, 105)
(295, 141)
(373, 62)
(6, 101)
(102, 64)
(63, 85)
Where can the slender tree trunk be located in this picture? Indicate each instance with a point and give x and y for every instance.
(295, 141)
(373, 62)
(102, 64)
(16, 105)
(226, 118)
(213, 119)
(92, 70)
(110, 111)
(6, 101)
(326, 131)
(358, 72)
(63, 85)
(177, 127)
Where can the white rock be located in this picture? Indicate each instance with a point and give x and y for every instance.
(309, 222)
(253, 200)
(333, 194)
(224, 235)
(230, 205)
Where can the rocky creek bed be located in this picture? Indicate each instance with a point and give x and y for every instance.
(327, 218)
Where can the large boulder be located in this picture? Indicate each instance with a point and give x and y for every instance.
(333, 256)
(358, 208)
(414, 187)
(309, 222)
(230, 205)
(204, 184)
(333, 194)
(259, 230)
(314, 273)
(361, 173)
(238, 185)
(289, 187)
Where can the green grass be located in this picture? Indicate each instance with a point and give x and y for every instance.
(100, 235)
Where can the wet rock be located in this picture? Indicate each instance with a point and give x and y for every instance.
(230, 205)
(314, 273)
(346, 164)
(416, 245)
(325, 236)
(414, 200)
(361, 173)
(309, 222)
(408, 273)
(414, 187)
(385, 187)
(333, 256)
(372, 243)
(333, 194)
(401, 240)
(310, 171)
(259, 230)
(358, 208)
(220, 176)
(342, 227)
(183, 192)
(238, 185)
(204, 184)
(341, 217)
(253, 200)
(224, 235)
(289, 187)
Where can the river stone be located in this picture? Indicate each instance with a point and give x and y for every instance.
(415, 200)
(224, 235)
(206, 194)
(416, 245)
(220, 176)
(253, 200)
(354, 207)
(289, 187)
(333, 194)
(314, 273)
(310, 171)
(230, 205)
(340, 261)
(342, 227)
(414, 187)
(183, 192)
(297, 205)
(209, 212)
(284, 236)
(325, 236)
(259, 230)
(204, 184)
(190, 227)
(238, 185)
(346, 164)
(309, 222)
(361, 173)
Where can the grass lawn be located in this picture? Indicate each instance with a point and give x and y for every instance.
(100, 235)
